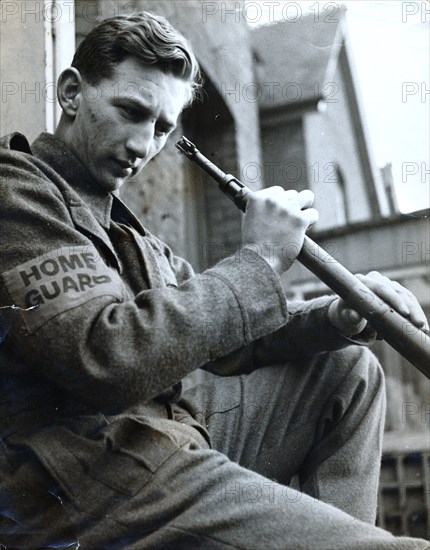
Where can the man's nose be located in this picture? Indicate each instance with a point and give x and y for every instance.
(139, 144)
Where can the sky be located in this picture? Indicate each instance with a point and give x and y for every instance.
(390, 42)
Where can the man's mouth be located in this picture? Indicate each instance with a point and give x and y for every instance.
(127, 166)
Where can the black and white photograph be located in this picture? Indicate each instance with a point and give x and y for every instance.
(214, 275)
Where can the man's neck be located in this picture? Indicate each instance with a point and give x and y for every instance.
(63, 131)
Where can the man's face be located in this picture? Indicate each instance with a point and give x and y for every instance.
(123, 122)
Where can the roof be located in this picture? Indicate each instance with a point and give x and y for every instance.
(296, 54)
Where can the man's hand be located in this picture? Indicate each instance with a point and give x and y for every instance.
(275, 224)
(349, 322)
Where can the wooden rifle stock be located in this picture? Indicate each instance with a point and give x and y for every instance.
(411, 342)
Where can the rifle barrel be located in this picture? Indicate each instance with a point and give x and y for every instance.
(411, 342)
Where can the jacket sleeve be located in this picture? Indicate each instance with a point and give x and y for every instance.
(307, 332)
(83, 332)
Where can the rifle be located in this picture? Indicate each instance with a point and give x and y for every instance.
(410, 341)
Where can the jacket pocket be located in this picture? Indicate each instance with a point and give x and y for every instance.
(119, 460)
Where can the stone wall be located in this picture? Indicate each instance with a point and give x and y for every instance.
(22, 60)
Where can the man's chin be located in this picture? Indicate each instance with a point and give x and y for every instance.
(112, 184)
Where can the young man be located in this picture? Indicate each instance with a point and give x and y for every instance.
(101, 448)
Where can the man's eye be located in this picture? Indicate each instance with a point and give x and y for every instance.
(161, 131)
(130, 113)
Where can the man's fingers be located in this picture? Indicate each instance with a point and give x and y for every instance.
(353, 316)
(348, 321)
(390, 291)
(275, 215)
(305, 198)
(276, 193)
(398, 297)
(311, 215)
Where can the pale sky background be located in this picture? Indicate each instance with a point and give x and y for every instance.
(390, 45)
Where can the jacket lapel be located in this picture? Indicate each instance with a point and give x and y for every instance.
(85, 220)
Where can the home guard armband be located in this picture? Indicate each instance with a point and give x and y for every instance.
(58, 281)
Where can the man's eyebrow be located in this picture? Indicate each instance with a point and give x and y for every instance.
(140, 103)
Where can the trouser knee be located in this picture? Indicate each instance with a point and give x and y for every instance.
(355, 381)
(368, 368)
(358, 362)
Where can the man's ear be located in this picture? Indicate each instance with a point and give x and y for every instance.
(69, 90)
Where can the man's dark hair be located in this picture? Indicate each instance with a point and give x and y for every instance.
(149, 37)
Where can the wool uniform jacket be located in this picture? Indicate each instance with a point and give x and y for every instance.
(100, 321)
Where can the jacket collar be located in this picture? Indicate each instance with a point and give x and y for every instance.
(56, 153)
(15, 142)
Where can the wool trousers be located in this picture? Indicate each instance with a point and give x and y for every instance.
(291, 462)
